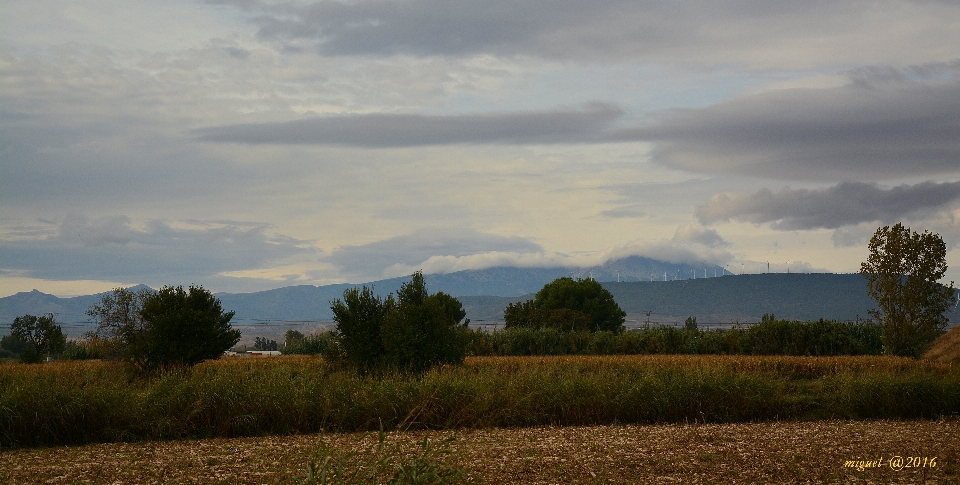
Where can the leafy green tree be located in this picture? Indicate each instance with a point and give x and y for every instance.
(563, 304)
(690, 324)
(902, 271)
(360, 316)
(11, 346)
(118, 317)
(43, 337)
(424, 330)
(182, 328)
(414, 331)
(292, 337)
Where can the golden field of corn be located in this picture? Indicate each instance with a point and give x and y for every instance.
(772, 452)
(946, 348)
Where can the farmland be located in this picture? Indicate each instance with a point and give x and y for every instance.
(92, 401)
(770, 452)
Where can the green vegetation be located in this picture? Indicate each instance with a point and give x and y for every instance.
(771, 336)
(903, 273)
(35, 338)
(181, 328)
(99, 401)
(296, 343)
(568, 305)
(414, 331)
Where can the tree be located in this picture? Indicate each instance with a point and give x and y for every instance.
(414, 331)
(42, 335)
(360, 317)
(292, 337)
(181, 328)
(423, 330)
(690, 324)
(563, 303)
(118, 317)
(902, 271)
(263, 343)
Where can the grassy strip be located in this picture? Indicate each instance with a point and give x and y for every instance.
(85, 402)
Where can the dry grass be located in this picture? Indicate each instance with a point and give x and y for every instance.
(788, 452)
(946, 348)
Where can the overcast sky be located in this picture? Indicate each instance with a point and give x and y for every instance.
(246, 145)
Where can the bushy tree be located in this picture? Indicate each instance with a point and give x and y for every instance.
(360, 316)
(181, 328)
(42, 336)
(424, 330)
(11, 346)
(568, 304)
(903, 272)
(118, 318)
(291, 337)
(414, 331)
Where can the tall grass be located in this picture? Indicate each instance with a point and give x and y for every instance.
(94, 401)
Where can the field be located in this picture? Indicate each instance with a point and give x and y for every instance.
(773, 452)
(581, 419)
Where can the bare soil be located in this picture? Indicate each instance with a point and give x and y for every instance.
(772, 452)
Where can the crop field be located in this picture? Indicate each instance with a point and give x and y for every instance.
(90, 401)
(771, 452)
(562, 419)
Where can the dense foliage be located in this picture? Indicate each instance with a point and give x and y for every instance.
(35, 338)
(903, 273)
(414, 331)
(119, 319)
(296, 343)
(771, 336)
(569, 305)
(181, 328)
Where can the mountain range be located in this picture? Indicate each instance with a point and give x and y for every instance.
(485, 293)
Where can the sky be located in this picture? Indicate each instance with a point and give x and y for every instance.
(245, 145)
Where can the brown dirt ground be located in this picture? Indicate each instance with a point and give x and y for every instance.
(776, 452)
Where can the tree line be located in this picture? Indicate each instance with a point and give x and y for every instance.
(416, 330)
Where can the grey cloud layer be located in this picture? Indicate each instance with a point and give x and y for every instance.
(870, 128)
(114, 249)
(845, 204)
(884, 124)
(609, 30)
(402, 130)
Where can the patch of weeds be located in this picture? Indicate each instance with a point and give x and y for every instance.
(382, 463)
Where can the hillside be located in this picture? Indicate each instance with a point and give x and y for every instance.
(724, 299)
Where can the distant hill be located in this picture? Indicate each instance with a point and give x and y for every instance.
(485, 293)
(748, 297)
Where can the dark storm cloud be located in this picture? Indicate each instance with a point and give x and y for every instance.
(845, 204)
(116, 249)
(403, 130)
(876, 127)
(371, 260)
